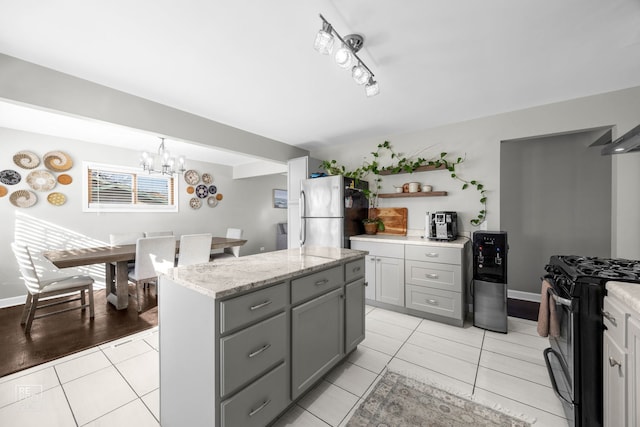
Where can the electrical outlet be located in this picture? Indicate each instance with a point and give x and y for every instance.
(261, 248)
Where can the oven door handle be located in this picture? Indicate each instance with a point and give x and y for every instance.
(563, 301)
(553, 378)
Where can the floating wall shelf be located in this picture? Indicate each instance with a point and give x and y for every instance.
(416, 194)
(419, 169)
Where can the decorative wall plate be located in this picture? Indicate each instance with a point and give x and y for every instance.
(57, 161)
(26, 159)
(3, 191)
(212, 202)
(23, 198)
(213, 189)
(195, 203)
(190, 190)
(41, 180)
(191, 177)
(9, 177)
(65, 179)
(201, 191)
(56, 199)
(207, 178)
(219, 196)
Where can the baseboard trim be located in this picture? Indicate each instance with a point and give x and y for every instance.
(526, 296)
(13, 301)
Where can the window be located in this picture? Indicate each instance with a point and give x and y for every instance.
(110, 188)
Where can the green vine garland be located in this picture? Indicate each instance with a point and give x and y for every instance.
(408, 165)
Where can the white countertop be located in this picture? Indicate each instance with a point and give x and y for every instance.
(629, 293)
(410, 240)
(226, 277)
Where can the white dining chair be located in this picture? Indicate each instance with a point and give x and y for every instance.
(234, 251)
(40, 290)
(157, 233)
(153, 255)
(194, 249)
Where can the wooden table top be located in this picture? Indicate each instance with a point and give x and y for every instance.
(104, 254)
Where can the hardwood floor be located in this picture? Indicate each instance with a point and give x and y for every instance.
(70, 332)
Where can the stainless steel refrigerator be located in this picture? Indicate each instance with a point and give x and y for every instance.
(331, 210)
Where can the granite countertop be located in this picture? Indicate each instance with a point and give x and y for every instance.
(628, 293)
(226, 277)
(410, 240)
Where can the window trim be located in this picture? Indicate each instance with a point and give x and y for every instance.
(86, 207)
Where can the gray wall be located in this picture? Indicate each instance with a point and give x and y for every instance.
(247, 204)
(543, 218)
(479, 141)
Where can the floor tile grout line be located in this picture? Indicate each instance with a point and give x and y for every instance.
(66, 398)
(475, 380)
(442, 353)
(515, 376)
(147, 406)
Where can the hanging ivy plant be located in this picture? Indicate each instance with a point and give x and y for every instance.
(402, 164)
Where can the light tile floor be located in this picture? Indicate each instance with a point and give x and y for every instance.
(117, 383)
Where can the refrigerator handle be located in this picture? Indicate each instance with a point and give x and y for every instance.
(302, 236)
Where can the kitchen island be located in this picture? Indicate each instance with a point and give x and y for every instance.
(242, 339)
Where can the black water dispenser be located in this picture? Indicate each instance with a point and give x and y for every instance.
(490, 280)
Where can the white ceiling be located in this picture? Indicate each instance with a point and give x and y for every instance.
(250, 63)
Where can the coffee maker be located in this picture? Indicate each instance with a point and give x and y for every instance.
(441, 225)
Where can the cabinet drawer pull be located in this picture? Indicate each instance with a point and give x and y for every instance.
(431, 254)
(432, 302)
(431, 275)
(259, 408)
(322, 282)
(613, 362)
(257, 306)
(355, 269)
(260, 350)
(610, 318)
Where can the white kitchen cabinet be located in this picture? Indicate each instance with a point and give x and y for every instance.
(384, 271)
(621, 360)
(614, 374)
(422, 278)
(633, 371)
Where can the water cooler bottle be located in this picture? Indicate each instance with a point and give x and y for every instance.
(490, 280)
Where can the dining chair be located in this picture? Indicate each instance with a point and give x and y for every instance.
(39, 290)
(157, 233)
(234, 251)
(153, 255)
(194, 249)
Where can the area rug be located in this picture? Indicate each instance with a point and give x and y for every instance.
(400, 401)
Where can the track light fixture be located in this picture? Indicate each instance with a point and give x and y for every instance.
(346, 56)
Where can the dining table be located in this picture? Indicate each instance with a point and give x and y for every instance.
(116, 260)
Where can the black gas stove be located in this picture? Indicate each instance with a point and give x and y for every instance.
(574, 359)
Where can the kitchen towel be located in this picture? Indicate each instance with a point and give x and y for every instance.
(547, 316)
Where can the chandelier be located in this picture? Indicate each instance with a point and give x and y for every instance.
(162, 162)
(346, 55)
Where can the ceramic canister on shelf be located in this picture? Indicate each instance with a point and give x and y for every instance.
(426, 188)
(414, 187)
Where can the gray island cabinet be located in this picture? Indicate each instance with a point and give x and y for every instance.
(242, 339)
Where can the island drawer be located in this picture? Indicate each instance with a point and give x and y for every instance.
(433, 254)
(353, 270)
(435, 301)
(434, 275)
(249, 353)
(245, 309)
(259, 403)
(316, 284)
